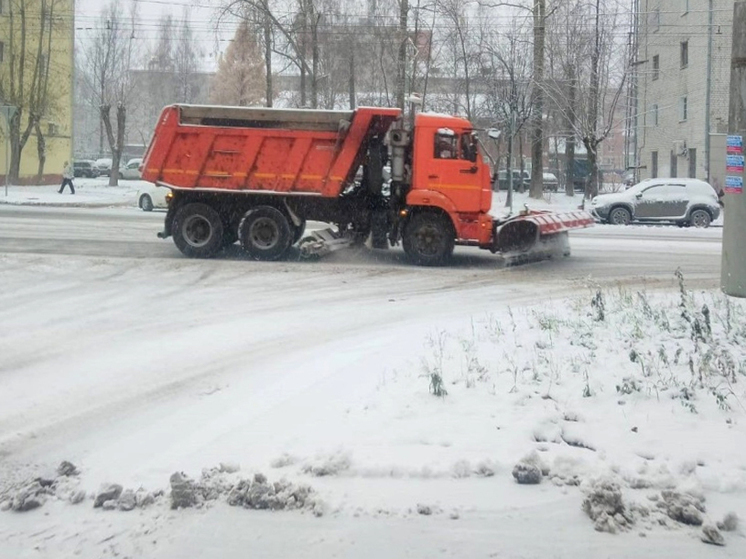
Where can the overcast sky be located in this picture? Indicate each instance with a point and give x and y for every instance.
(202, 16)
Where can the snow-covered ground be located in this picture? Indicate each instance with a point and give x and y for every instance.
(404, 397)
(88, 193)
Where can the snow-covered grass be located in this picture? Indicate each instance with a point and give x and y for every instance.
(136, 370)
(88, 193)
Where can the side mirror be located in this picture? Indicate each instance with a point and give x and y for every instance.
(638, 195)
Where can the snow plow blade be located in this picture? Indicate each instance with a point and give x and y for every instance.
(321, 243)
(537, 235)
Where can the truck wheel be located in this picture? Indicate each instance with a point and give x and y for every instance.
(265, 233)
(379, 230)
(198, 230)
(298, 231)
(429, 239)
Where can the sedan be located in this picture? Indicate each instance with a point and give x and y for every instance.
(131, 171)
(151, 197)
(681, 201)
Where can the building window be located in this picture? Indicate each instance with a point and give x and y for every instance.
(656, 66)
(654, 114)
(1, 50)
(653, 164)
(52, 129)
(683, 108)
(684, 54)
(654, 20)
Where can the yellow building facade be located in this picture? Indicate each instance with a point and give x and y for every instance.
(42, 84)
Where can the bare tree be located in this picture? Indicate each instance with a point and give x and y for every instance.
(596, 74)
(508, 95)
(109, 60)
(25, 77)
(185, 60)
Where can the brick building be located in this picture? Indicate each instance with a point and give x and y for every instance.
(682, 76)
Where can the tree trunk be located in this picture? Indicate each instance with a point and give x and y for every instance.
(41, 150)
(302, 54)
(522, 162)
(570, 139)
(268, 54)
(509, 170)
(591, 188)
(16, 149)
(401, 64)
(591, 146)
(115, 144)
(537, 134)
(315, 62)
(351, 78)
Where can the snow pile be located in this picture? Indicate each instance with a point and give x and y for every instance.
(604, 506)
(259, 493)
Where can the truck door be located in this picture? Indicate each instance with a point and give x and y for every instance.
(455, 170)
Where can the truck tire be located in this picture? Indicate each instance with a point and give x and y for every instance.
(265, 233)
(198, 230)
(379, 230)
(428, 239)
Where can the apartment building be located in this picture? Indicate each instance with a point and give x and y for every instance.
(42, 41)
(682, 74)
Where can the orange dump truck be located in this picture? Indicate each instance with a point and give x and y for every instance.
(256, 175)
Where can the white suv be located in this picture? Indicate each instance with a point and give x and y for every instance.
(682, 201)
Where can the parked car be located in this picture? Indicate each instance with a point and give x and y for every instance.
(551, 183)
(682, 201)
(131, 171)
(152, 197)
(85, 168)
(103, 166)
(518, 177)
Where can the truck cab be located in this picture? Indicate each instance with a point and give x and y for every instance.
(449, 173)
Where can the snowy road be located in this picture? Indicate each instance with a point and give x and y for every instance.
(603, 252)
(133, 362)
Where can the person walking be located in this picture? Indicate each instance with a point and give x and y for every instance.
(67, 178)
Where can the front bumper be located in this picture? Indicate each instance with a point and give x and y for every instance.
(600, 213)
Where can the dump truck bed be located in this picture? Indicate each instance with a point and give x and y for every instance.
(274, 151)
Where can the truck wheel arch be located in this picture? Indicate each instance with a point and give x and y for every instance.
(429, 200)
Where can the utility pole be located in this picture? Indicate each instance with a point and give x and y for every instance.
(733, 273)
(708, 91)
(537, 134)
